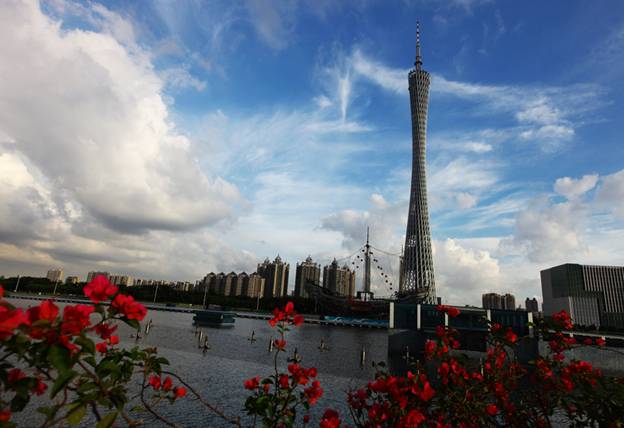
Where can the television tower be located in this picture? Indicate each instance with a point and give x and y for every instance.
(418, 277)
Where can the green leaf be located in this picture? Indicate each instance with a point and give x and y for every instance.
(76, 414)
(86, 344)
(132, 323)
(107, 420)
(62, 381)
(59, 357)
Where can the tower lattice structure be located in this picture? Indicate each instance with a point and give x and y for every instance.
(418, 276)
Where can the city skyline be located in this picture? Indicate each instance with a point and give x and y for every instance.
(169, 142)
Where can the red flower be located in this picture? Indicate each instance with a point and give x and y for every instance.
(491, 409)
(179, 392)
(427, 392)
(510, 336)
(100, 289)
(588, 341)
(600, 341)
(105, 330)
(451, 311)
(289, 308)
(413, 419)
(1, 292)
(314, 392)
(563, 320)
(280, 344)
(10, 320)
(284, 381)
(15, 375)
(154, 381)
(330, 419)
(430, 348)
(76, 319)
(252, 383)
(47, 311)
(312, 372)
(306, 419)
(64, 340)
(128, 307)
(266, 387)
(298, 320)
(5, 415)
(272, 322)
(167, 384)
(101, 347)
(40, 387)
(114, 340)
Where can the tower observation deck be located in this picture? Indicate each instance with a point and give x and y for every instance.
(417, 276)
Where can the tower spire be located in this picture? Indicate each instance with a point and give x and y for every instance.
(418, 62)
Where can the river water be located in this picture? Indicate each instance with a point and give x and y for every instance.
(220, 372)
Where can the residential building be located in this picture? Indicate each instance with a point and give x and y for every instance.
(307, 272)
(276, 277)
(498, 301)
(93, 274)
(531, 305)
(55, 275)
(124, 280)
(339, 280)
(592, 295)
(71, 280)
(492, 301)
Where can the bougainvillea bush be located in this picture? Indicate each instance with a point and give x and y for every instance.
(73, 359)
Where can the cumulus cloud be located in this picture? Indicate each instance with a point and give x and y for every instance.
(105, 139)
(89, 157)
(463, 274)
(571, 188)
(611, 193)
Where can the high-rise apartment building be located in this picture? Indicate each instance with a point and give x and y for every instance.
(55, 275)
(492, 301)
(71, 280)
(232, 284)
(531, 305)
(276, 277)
(592, 295)
(124, 280)
(418, 277)
(339, 280)
(307, 272)
(93, 274)
(498, 301)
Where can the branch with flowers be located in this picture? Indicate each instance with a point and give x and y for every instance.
(77, 360)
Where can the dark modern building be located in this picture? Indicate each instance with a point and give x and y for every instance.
(276, 277)
(418, 276)
(531, 305)
(339, 280)
(498, 301)
(307, 272)
(592, 295)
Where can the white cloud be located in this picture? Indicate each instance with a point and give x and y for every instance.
(460, 182)
(572, 188)
(463, 274)
(273, 21)
(93, 171)
(181, 78)
(545, 114)
(610, 194)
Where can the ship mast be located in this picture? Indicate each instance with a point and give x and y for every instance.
(367, 265)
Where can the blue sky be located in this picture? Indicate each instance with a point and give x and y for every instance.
(177, 138)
